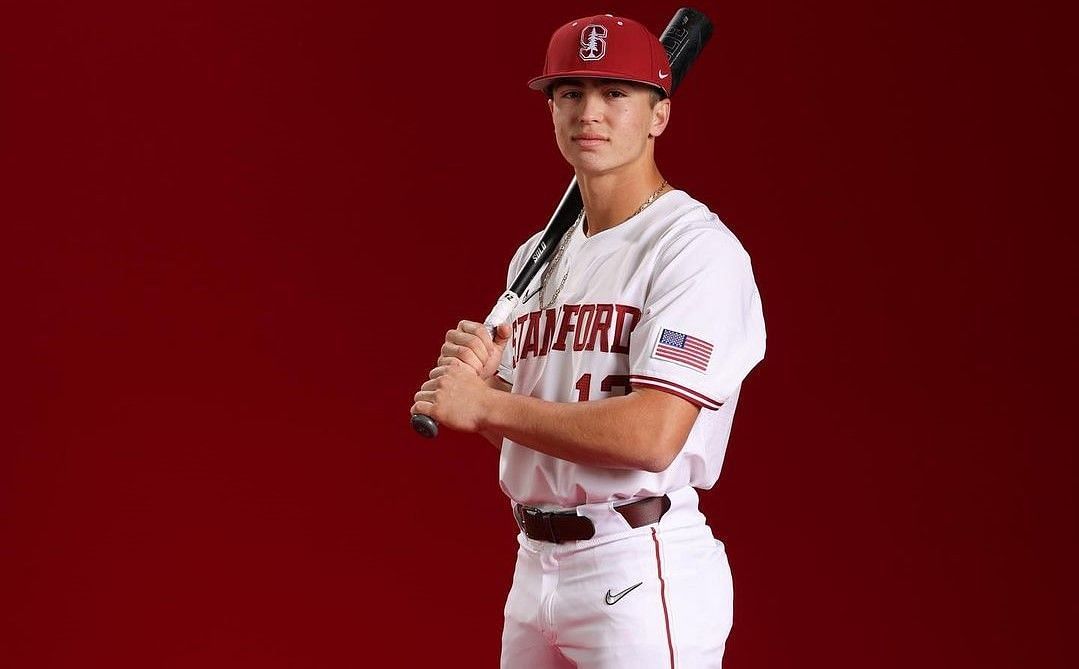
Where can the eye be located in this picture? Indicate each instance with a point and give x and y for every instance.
(569, 94)
(616, 93)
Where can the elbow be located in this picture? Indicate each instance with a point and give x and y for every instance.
(660, 448)
(664, 426)
(657, 464)
(659, 454)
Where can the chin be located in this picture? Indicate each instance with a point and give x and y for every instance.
(589, 162)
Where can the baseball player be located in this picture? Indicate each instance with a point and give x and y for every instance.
(612, 388)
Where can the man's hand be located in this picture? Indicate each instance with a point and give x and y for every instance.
(472, 345)
(455, 396)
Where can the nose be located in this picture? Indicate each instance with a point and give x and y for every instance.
(592, 107)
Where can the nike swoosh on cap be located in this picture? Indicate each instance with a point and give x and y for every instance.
(663, 76)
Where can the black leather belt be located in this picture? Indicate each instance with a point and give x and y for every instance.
(562, 526)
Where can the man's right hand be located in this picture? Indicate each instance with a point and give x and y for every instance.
(470, 344)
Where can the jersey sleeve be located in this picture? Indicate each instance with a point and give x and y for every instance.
(702, 326)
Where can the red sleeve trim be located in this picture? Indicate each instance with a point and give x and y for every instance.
(685, 393)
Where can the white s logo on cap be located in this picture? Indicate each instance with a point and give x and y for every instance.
(593, 42)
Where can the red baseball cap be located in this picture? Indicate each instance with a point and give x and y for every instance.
(605, 47)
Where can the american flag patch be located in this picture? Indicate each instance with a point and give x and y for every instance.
(683, 349)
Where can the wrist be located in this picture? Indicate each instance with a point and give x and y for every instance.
(490, 408)
(491, 370)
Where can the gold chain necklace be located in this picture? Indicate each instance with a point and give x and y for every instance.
(562, 248)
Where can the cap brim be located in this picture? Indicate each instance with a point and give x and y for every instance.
(541, 83)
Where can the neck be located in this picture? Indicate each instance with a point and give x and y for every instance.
(610, 199)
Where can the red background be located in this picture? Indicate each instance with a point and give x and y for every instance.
(235, 233)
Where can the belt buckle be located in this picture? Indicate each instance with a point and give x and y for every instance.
(543, 516)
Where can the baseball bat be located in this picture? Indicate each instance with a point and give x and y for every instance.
(683, 39)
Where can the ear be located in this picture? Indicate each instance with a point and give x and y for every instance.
(661, 114)
(550, 105)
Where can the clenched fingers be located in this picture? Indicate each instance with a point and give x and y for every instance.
(482, 348)
(434, 382)
(448, 361)
(422, 408)
(465, 354)
(444, 365)
(478, 330)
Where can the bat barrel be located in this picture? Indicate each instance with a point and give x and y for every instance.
(684, 38)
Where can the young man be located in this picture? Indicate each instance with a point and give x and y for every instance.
(612, 389)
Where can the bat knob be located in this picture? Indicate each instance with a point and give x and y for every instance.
(425, 425)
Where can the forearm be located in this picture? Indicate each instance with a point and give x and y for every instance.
(496, 383)
(636, 431)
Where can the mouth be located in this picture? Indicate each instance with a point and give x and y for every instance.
(588, 141)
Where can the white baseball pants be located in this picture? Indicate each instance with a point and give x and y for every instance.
(657, 596)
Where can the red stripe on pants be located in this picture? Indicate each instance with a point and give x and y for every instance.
(663, 596)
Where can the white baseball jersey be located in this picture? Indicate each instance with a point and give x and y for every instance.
(665, 300)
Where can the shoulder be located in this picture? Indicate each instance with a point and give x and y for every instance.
(688, 226)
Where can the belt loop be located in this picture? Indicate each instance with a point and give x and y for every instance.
(550, 527)
(519, 516)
